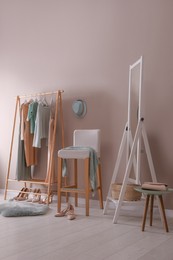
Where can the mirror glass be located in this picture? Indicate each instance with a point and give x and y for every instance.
(134, 104)
(134, 98)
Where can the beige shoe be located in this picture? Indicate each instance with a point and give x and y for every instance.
(32, 195)
(45, 200)
(24, 194)
(20, 194)
(63, 212)
(37, 196)
(70, 214)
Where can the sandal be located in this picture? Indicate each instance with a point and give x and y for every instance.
(23, 195)
(70, 214)
(45, 199)
(19, 194)
(37, 196)
(32, 196)
(63, 212)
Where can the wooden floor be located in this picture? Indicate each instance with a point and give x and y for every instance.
(94, 237)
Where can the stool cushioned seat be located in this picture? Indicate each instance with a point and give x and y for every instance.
(73, 154)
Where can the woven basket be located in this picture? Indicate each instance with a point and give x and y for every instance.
(130, 193)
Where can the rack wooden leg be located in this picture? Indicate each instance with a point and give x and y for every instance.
(11, 146)
(59, 183)
(145, 212)
(163, 213)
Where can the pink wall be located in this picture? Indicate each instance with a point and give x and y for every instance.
(85, 47)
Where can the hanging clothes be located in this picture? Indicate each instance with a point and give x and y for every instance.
(41, 124)
(23, 172)
(32, 112)
(30, 151)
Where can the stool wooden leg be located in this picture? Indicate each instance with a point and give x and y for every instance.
(151, 209)
(59, 183)
(100, 186)
(87, 185)
(65, 184)
(145, 212)
(163, 213)
(75, 182)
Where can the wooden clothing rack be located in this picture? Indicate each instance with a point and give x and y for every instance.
(58, 111)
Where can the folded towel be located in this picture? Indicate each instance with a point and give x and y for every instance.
(154, 186)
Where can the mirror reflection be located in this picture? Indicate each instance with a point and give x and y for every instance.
(134, 98)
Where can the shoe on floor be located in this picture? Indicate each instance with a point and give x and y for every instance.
(63, 212)
(70, 214)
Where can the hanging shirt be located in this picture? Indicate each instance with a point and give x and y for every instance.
(32, 112)
(41, 124)
(30, 151)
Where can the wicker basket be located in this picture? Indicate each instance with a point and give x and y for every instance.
(130, 193)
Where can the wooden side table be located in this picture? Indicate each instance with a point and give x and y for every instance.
(150, 197)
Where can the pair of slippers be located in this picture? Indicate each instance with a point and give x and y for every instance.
(68, 211)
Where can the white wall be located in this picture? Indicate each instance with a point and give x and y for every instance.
(85, 47)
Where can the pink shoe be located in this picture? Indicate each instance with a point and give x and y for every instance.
(70, 214)
(63, 212)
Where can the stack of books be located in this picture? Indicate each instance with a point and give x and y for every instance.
(154, 186)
